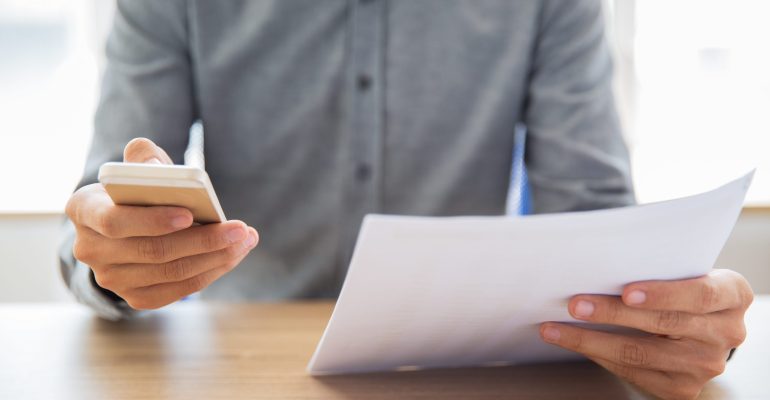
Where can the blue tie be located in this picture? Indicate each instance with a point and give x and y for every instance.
(518, 191)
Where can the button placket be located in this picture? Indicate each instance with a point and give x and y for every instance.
(366, 94)
(364, 85)
(364, 82)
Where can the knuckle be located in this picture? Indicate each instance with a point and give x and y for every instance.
(700, 323)
(233, 252)
(736, 335)
(196, 283)
(209, 242)
(104, 279)
(668, 321)
(709, 296)
(574, 340)
(684, 392)
(626, 372)
(633, 354)
(154, 249)
(748, 298)
(141, 303)
(82, 250)
(612, 311)
(713, 368)
(176, 270)
(746, 293)
(137, 303)
(107, 225)
(71, 208)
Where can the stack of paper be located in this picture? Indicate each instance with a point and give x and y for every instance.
(462, 291)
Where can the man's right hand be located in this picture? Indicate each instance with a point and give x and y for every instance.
(152, 256)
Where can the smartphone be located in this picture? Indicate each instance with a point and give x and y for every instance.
(137, 184)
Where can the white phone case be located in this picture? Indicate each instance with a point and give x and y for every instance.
(139, 184)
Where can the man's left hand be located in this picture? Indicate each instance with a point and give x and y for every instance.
(693, 324)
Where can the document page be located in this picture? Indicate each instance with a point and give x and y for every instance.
(426, 292)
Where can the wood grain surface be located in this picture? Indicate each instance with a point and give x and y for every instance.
(199, 350)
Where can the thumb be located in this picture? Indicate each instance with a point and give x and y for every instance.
(143, 150)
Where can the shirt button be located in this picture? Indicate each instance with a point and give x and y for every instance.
(363, 172)
(364, 82)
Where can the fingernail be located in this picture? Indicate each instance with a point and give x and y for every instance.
(250, 241)
(584, 309)
(153, 160)
(636, 297)
(180, 222)
(235, 235)
(551, 334)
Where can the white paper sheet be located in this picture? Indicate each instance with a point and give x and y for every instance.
(464, 291)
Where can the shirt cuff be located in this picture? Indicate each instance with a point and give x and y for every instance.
(87, 292)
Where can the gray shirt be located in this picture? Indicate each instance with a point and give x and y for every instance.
(319, 112)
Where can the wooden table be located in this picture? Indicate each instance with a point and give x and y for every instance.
(198, 350)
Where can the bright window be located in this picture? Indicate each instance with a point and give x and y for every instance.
(703, 96)
(48, 89)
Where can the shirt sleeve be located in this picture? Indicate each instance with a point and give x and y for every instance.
(576, 156)
(147, 88)
(146, 91)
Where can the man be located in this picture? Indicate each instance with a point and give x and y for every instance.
(316, 113)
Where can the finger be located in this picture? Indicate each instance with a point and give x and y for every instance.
(93, 208)
(636, 352)
(721, 289)
(131, 276)
(611, 310)
(162, 249)
(654, 382)
(141, 150)
(157, 296)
